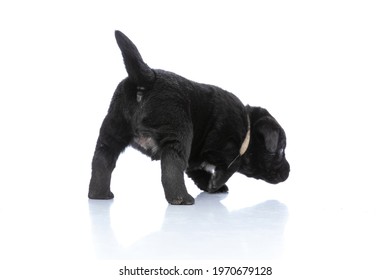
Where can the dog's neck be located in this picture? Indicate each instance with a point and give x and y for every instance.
(245, 144)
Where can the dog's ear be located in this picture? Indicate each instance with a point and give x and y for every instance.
(139, 72)
(270, 132)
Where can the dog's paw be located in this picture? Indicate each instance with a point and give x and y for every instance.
(223, 189)
(93, 195)
(215, 189)
(181, 200)
(215, 185)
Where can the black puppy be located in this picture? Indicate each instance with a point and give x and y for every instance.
(195, 128)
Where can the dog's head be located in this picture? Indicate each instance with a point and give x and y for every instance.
(265, 158)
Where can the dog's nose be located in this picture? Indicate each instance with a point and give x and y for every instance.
(281, 174)
(285, 172)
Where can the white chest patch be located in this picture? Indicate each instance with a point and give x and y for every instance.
(208, 167)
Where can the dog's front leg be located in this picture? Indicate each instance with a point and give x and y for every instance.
(113, 139)
(202, 179)
(219, 178)
(172, 177)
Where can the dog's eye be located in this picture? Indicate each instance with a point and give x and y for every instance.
(281, 152)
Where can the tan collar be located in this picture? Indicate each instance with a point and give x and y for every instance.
(245, 144)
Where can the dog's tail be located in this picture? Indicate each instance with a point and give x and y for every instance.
(139, 72)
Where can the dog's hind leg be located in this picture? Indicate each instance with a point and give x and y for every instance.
(174, 160)
(172, 177)
(113, 139)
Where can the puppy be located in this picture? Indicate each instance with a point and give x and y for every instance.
(195, 128)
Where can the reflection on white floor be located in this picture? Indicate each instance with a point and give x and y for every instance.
(206, 230)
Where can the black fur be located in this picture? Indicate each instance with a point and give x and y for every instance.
(190, 127)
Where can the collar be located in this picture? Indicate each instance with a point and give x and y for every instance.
(245, 144)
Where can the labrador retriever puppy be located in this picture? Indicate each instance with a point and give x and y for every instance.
(190, 127)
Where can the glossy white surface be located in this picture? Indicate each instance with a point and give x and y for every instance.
(321, 70)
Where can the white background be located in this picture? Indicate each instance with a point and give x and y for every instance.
(322, 68)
